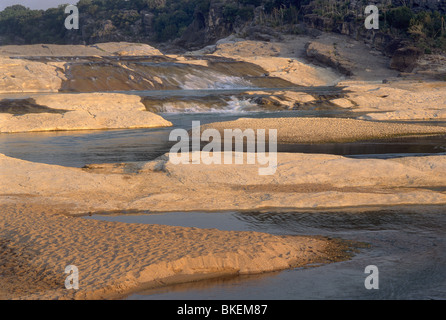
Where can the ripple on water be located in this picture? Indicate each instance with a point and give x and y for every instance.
(406, 244)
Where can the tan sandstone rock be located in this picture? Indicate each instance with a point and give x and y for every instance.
(90, 111)
(18, 75)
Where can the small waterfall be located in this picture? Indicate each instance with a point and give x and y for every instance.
(230, 104)
(143, 76)
(213, 80)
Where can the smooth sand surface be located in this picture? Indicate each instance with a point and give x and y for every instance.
(325, 130)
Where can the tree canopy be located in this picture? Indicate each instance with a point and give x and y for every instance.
(163, 20)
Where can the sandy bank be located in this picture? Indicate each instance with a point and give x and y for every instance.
(325, 130)
(432, 114)
(92, 111)
(115, 259)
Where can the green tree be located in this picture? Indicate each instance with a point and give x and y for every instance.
(400, 18)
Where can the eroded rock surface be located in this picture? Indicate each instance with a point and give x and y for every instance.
(90, 111)
(18, 75)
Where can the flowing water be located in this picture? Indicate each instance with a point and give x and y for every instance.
(162, 73)
(406, 244)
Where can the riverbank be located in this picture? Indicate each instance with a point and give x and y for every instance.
(368, 83)
(41, 231)
(300, 181)
(116, 259)
(325, 130)
(370, 86)
(91, 111)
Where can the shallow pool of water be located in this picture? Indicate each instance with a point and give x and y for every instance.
(406, 244)
(79, 148)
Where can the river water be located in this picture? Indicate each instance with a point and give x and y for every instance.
(77, 149)
(406, 244)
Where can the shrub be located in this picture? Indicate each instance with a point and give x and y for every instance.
(246, 13)
(400, 18)
(230, 12)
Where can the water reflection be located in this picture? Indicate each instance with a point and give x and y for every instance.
(407, 244)
(77, 149)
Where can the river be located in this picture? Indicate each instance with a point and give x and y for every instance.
(406, 244)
